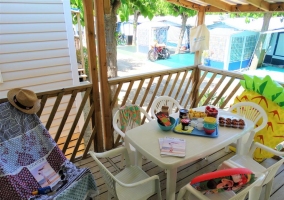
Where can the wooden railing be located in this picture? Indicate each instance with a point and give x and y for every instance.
(215, 86)
(66, 113)
(72, 126)
(143, 88)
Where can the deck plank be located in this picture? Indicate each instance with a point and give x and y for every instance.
(185, 173)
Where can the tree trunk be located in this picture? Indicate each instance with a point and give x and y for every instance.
(258, 55)
(184, 18)
(135, 23)
(111, 52)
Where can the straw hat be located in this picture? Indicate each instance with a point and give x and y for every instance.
(24, 100)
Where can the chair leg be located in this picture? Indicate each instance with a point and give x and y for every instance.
(254, 193)
(268, 188)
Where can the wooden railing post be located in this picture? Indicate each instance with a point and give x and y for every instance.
(197, 61)
(105, 89)
(93, 69)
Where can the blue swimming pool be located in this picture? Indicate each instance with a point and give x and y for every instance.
(178, 60)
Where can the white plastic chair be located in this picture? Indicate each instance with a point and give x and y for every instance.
(253, 112)
(129, 184)
(189, 192)
(117, 128)
(247, 161)
(164, 101)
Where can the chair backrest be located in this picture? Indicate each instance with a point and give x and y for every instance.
(130, 121)
(222, 196)
(251, 111)
(157, 104)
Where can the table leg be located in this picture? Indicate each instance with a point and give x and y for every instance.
(138, 159)
(171, 183)
(240, 146)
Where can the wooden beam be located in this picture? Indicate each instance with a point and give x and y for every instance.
(218, 4)
(201, 16)
(261, 4)
(197, 61)
(93, 69)
(277, 7)
(105, 89)
(107, 7)
(186, 4)
(197, 7)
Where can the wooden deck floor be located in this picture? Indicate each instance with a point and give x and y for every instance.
(185, 173)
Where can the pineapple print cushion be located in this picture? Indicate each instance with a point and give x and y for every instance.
(270, 96)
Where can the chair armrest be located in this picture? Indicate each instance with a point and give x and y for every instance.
(146, 114)
(269, 149)
(110, 153)
(151, 178)
(118, 130)
(114, 123)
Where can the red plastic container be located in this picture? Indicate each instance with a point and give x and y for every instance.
(211, 111)
(208, 131)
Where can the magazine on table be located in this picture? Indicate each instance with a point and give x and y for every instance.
(44, 173)
(172, 146)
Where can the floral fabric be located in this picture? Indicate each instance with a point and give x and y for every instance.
(129, 117)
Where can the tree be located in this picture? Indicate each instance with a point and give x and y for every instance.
(145, 8)
(78, 4)
(175, 10)
(110, 26)
(258, 55)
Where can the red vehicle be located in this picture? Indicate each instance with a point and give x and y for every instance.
(158, 51)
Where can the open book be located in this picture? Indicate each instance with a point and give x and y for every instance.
(172, 146)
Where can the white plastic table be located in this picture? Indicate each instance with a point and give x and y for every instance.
(144, 139)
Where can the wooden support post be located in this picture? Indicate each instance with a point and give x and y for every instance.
(197, 61)
(107, 6)
(93, 69)
(105, 89)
